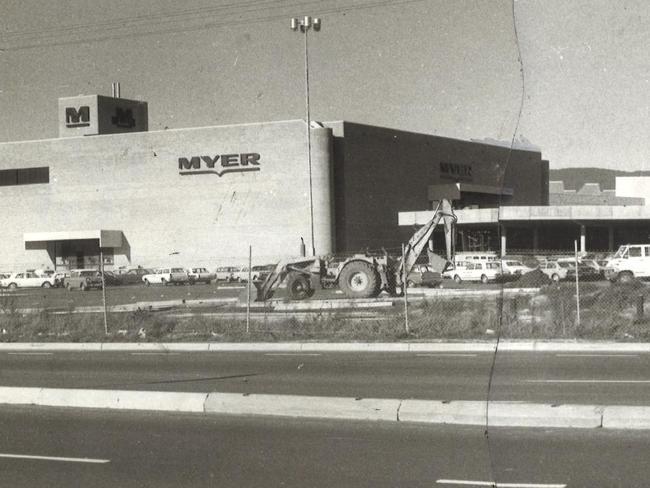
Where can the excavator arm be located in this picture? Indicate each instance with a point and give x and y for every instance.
(419, 240)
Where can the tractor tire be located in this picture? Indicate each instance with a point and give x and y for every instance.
(359, 279)
(299, 286)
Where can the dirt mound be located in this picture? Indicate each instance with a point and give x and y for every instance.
(532, 279)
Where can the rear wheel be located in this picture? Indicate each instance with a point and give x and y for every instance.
(163, 281)
(457, 279)
(299, 286)
(555, 277)
(12, 286)
(484, 279)
(359, 279)
(626, 277)
(46, 284)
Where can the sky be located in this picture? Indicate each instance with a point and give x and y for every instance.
(581, 92)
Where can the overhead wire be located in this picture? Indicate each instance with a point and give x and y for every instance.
(43, 41)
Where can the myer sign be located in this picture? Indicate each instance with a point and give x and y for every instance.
(219, 165)
(455, 171)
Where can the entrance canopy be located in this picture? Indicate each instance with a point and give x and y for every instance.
(106, 238)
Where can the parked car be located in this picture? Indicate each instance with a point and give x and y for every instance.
(630, 261)
(584, 272)
(514, 267)
(226, 273)
(27, 279)
(476, 271)
(126, 277)
(598, 266)
(200, 275)
(83, 279)
(241, 274)
(58, 277)
(261, 271)
(422, 276)
(163, 276)
(555, 270)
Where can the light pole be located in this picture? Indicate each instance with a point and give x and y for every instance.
(304, 25)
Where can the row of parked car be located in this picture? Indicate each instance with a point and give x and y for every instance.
(489, 268)
(83, 279)
(86, 279)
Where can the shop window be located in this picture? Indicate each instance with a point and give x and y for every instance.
(24, 176)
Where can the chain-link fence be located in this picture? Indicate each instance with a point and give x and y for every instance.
(530, 303)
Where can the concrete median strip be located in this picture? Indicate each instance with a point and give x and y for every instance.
(501, 414)
(505, 346)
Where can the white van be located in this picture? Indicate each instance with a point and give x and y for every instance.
(630, 261)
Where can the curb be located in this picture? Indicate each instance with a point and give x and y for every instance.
(405, 347)
(500, 414)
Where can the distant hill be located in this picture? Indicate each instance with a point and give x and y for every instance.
(574, 178)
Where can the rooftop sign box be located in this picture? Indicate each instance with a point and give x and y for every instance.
(90, 115)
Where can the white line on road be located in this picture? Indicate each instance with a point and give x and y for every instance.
(442, 355)
(499, 485)
(597, 355)
(292, 354)
(30, 353)
(155, 353)
(50, 458)
(587, 381)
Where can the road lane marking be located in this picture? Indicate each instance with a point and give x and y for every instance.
(500, 485)
(30, 353)
(155, 353)
(53, 458)
(292, 354)
(587, 381)
(597, 355)
(442, 355)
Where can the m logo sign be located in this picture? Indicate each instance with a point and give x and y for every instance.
(123, 118)
(77, 118)
(219, 165)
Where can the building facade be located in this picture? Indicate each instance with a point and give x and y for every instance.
(109, 189)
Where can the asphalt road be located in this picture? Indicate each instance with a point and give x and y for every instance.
(107, 449)
(598, 378)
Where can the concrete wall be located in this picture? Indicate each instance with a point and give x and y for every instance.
(591, 194)
(131, 182)
(379, 172)
(634, 187)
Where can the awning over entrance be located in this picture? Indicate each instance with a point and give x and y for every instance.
(106, 238)
(453, 191)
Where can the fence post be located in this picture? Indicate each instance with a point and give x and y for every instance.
(101, 268)
(404, 289)
(639, 307)
(248, 298)
(575, 243)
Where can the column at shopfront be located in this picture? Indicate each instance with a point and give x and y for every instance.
(503, 240)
